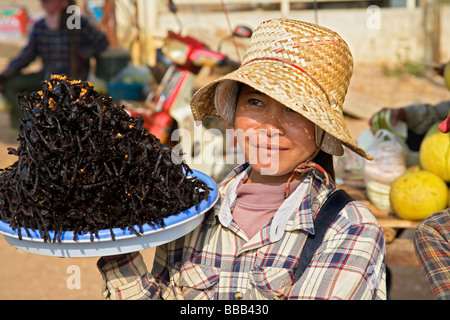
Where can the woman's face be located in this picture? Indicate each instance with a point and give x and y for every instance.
(275, 139)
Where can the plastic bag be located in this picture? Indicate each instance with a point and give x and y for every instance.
(348, 169)
(389, 162)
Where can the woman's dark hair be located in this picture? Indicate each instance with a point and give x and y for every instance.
(325, 160)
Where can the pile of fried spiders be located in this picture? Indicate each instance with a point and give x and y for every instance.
(85, 165)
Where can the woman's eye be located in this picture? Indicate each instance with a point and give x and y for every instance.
(255, 102)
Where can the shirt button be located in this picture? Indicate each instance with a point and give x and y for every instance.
(238, 295)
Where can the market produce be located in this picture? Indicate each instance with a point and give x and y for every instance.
(434, 153)
(417, 194)
(389, 162)
(378, 193)
(84, 165)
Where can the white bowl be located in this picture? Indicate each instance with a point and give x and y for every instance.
(175, 226)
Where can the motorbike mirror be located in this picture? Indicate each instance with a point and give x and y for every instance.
(242, 32)
(173, 9)
(172, 6)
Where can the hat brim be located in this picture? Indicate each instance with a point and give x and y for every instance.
(287, 85)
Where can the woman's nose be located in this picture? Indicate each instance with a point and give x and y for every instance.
(272, 122)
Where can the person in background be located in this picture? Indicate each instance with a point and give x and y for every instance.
(62, 49)
(432, 245)
(419, 118)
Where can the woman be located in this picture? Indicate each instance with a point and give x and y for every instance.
(285, 102)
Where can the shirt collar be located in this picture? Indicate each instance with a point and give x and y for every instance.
(312, 202)
(313, 195)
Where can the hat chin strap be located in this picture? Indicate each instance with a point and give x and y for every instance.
(307, 166)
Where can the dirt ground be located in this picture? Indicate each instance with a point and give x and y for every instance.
(29, 276)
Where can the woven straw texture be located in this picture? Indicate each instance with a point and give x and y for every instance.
(302, 65)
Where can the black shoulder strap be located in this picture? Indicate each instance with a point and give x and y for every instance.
(324, 218)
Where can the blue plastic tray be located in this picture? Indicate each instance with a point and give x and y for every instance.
(175, 226)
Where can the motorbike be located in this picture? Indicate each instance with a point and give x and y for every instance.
(206, 146)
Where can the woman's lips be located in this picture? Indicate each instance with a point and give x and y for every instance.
(268, 147)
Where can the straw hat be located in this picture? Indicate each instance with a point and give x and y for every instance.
(302, 65)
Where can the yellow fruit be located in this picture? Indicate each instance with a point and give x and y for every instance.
(413, 169)
(434, 153)
(416, 195)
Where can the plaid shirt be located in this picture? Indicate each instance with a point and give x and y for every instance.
(432, 244)
(218, 262)
(53, 46)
